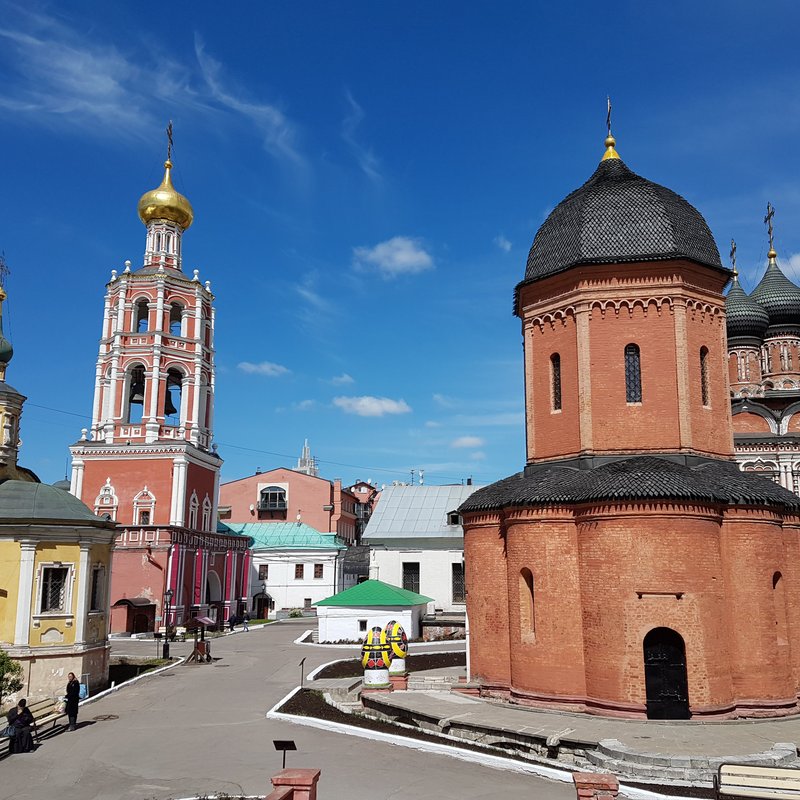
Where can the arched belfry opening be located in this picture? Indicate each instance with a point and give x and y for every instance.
(176, 319)
(173, 397)
(136, 395)
(665, 676)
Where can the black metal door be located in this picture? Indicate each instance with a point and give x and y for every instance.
(665, 678)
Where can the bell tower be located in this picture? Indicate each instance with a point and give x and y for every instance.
(148, 459)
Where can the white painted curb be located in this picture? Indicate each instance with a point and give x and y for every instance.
(113, 689)
(484, 759)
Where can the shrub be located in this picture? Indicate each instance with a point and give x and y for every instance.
(10, 675)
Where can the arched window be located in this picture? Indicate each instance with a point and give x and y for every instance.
(135, 395)
(633, 374)
(140, 316)
(172, 398)
(206, 513)
(779, 608)
(194, 504)
(106, 502)
(143, 507)
(273, 498)
(555, 380)
(176, 319)
(704, 376)
(527, 605)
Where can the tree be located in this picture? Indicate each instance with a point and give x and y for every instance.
(10, 675)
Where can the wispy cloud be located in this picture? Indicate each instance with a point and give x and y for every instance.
(503, 243)
(280, 134)
(367, 406)
(468, 441)
(400, 255)
(268, 368)
(342, 380)
(478, 455)
(490, 420)
(367, 160)
(432, 423)
(444, 401)
(307, 289)
(61, 78)
(305, 405)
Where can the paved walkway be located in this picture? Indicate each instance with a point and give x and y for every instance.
(200, 729)
(724, 738)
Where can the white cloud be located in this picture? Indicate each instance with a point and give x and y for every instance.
(502, 243)
(400, 255)
(444, 401)
(268, 368)
(279, 132)
(367, 160)
(490, 420)
(433, 424)
(478, 455)
(305, 405)
(467, 441)
(367, 406)
(307, 289)
(342, 380)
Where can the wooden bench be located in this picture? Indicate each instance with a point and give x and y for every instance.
(44, 711)
(741, 780)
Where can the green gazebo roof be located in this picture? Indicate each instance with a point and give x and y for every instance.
(374, 593)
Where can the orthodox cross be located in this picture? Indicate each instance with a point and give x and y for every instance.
(169, 141)
(608, 115)
(4, 270)
(733, 255)
(768, 223)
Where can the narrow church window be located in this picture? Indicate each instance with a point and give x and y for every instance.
(779, 606)
(527, 619)
(136, 396)
(633, 374)
(96, 600)
(144, 517)
(459, 589)
(176, 319)
(141, 312)
(704, 375)
(194, 504)
(172, 399)
(555, 374)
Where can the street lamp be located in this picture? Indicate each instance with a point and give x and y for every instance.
(167, 602)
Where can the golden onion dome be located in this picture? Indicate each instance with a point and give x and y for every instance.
(165, 202)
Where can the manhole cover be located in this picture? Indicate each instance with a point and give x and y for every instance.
(105, 717)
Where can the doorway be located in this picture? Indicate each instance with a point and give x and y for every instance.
(665, 677)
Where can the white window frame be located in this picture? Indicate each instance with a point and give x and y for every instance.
(148, 504)
(207, 514)
(66, 612)
(194, 505)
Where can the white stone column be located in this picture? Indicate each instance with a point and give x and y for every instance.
(27, 558)
(178, 505)
(76, 482)
(84, 587)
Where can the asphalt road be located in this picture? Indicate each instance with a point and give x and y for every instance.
(201, 729)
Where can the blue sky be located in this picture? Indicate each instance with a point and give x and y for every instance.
(367, 179)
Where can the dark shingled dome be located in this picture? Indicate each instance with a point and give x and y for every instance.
(637, 478)
(778, 296)
(617, 216)
(745, 317)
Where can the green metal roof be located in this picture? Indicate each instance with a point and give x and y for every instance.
(374, 593)
(284, 536)
(42, 503)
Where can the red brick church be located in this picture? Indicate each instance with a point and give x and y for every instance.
(631, 569)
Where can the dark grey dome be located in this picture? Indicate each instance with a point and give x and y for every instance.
(745, 317)
(617, 216)
(778, 296)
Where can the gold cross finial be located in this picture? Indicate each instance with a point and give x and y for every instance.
(733, 260)
(768, 223)
(610, 140)
(169, 141)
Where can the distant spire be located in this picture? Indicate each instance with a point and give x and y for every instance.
(733, 261)
(610, 140)
(768, 222)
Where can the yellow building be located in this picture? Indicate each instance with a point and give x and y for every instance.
(55, 561)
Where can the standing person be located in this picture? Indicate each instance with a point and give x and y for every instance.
(73, 696)
(246, 621)
(22, 721)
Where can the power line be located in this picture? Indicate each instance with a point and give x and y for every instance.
(457, 479)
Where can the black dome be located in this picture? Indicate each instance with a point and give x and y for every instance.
(778, 296)
(745, 317)
(618, 216)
